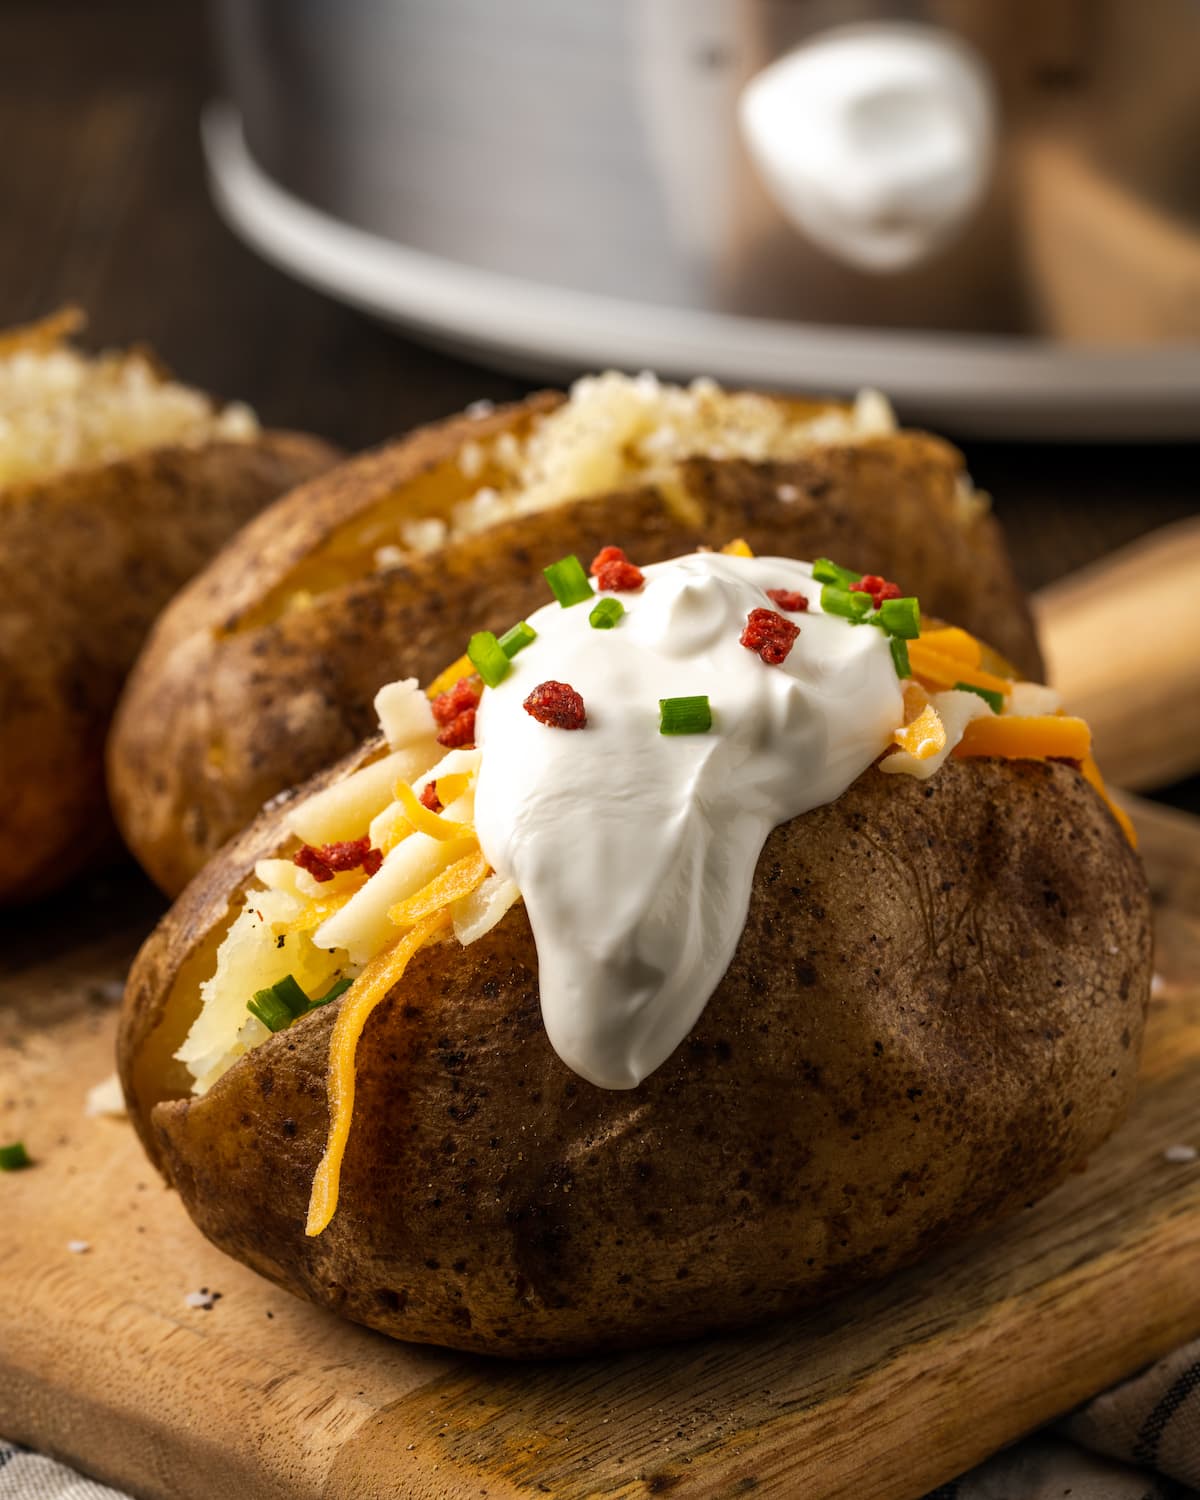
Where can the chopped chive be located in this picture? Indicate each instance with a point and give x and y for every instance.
(684, 715)
(487, 658)
(270, 1010)
(290, 993)
(839, 601)
(338, 987)
(901, 617)
(825, 571)
(899, 649)
(568, 582)
(606, 614)
(14, 1157)
(517, 637)
(994, 700)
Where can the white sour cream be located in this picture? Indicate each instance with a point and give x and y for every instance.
(635, 851)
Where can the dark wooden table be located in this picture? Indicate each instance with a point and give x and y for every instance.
(103, 202)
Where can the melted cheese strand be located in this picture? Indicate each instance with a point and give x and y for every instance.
(371, 986)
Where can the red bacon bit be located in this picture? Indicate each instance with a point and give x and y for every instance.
(556, 705)
(615, 574)
(770, 635)
(454, 710)
(878, 588)
(430, 798)
(328, 860)
(788, 599)
(459, 734)
(465, 694)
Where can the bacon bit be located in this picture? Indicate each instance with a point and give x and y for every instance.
(328, 860)
(878, 588)
(615, 574)
(454, 710)
(557, 705)
(430, 798)
(465, 694)
(459, 734)
(788, 599)
(770, 635)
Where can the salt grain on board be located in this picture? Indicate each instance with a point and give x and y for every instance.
(1180, 1155)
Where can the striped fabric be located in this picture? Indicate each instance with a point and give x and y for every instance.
(1139, 1441)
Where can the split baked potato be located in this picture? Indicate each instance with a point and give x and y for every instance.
(116, 485)
(933, 1014)
(262, 672)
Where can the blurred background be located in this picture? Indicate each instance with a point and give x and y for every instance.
(991, 211)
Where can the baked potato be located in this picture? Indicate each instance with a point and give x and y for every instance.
(262, 671)
(116, 485)
(932, 1013)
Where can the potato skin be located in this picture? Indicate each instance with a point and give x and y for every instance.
(935, 1012)
(218, 716)
(87, 559)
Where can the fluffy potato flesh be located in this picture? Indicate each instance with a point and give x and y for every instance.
(934, 1013)
(264, 670)
(61, 409)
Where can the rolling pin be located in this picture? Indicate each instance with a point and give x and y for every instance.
(1122, 644)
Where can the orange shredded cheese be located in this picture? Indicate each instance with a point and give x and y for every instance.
(1092, 774)
(939, 671)
(425, 821)
(739, 547)
(372, 985)
(1031, 737)
(949, 640)
(451, 884)
(925, 736)
(444, 681)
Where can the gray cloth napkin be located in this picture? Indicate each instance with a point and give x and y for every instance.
(1139, 1441)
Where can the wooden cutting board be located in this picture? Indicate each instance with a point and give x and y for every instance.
(885, 1393)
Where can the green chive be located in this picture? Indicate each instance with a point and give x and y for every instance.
(899, 651)
(487, 658)
(839, 601)
(289, 994)
(338, 987)
(901, 617)
(517, 638)
(995, 701)
(684, 715)
(825, 571)
(606, 614)
(14, 1157)
(270, 1010)
(568, 582)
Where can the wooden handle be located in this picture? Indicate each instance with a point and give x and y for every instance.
(1122, 644)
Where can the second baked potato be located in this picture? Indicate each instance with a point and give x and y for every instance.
(264, 670)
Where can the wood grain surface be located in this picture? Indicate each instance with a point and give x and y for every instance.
(882, 1394)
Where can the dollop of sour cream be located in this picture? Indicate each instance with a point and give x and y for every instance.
(635, 851)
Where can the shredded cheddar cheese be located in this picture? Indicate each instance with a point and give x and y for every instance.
(425, 821)
(452, 884)
(372, 985)
(1037, 737)
(739, 547)
(925, 736)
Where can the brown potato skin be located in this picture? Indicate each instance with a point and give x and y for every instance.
(212, 724)
(934, 1013)
(87, 559)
